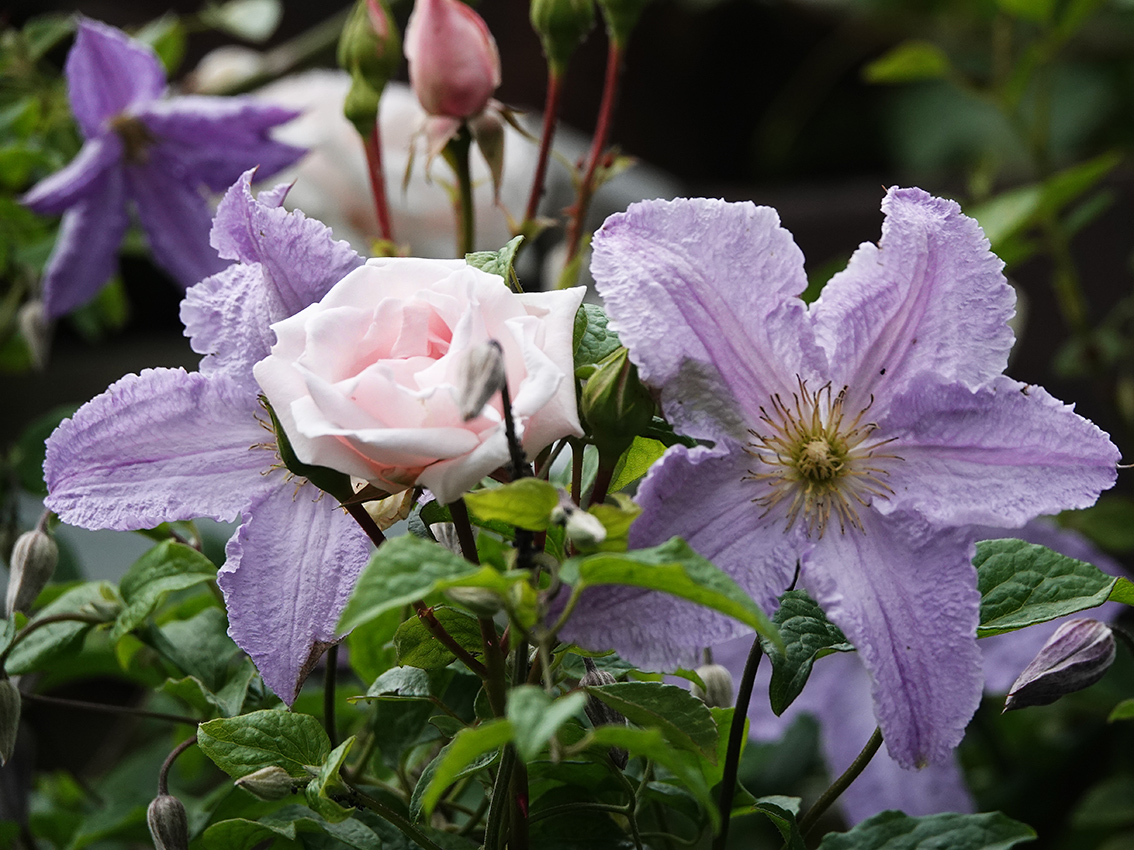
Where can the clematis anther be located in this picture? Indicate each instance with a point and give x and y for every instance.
(863, 437)
(153, 153)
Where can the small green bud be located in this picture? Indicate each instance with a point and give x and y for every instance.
(717, 692)
(169, 826)
(33, 564)
(584, 530)
(615, 404)
(621, 17)
(561, 26)
(1076, 656)
(370, 51)
(9, 718)
(268, 783)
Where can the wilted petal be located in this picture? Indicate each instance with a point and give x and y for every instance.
(80, 178)
(704, 294)
(107, 73)
(156, 447)
(930, 297)
(290, 569)
(905, 595)
(216, 139)
(998, 456)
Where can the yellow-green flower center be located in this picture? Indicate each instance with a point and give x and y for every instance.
(816, 460)
(136, 137)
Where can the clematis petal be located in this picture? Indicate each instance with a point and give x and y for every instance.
(217, 138)
(930, 297)
(176, 219)
(107, 74)
(78, 179)
(290, 569)
(705, 296)
(86, 250)
(905, 595)
(156, 447)
(998, 456)
(299, 258)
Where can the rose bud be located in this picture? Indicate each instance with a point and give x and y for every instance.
(454, 66)
(615, 404)
(601, 714)
(717, 692)
(482, 376)
(33, 563)
(561, 25)
(168, 823)
(9, 718)
(370, 51)
(621, 17)
(268, 783)
(1075, 657)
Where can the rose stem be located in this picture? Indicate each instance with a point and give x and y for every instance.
(367, 523)
(163, 774)
(329, 676)
(842, 783)
(735, 739)
(456, 153)
(430, 621)
(602, 131)
(550, 114)
(378, 181)
(108, 709)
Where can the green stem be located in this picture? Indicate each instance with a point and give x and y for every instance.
(163, 774)
(457, 155)
(842, 783)
(498, 808)
(383, 811)
(736, 739)
(109, 709)
(329, 675)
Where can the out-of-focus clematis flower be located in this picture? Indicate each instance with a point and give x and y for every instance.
(169, 445)
(861, 438)
(152, 152)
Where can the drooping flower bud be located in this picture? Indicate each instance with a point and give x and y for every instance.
(268, 783)
(454, 66)
(481, 377)
(717, 692)
(35, 328)
(168, 823)
(1075, 657)
(561, 26)
(33, 563)
(369, 50)
(615, 404)
(601, 714)
(9, 718)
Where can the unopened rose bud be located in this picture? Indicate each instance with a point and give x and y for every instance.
(1075, 657)
(601, 714)
(32, 565)
(615, 404)
(268, 783)
(481, 377)
(561, 25)
(9, 718)
(168, 823)
(454, 66)
(370, 51)
(717, 692)
(621, 17)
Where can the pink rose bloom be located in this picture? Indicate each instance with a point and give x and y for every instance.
(367, 380)
(454, 66)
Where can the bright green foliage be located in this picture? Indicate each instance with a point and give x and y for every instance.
(909, 61)
(808, 635)
(168, 567)
(241, 745)
(684, 720)
(526, 503)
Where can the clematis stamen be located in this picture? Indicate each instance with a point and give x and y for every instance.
(819, 462)
(136, 137)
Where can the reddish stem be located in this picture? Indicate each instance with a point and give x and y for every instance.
(550, 116)
(378, 182)
(433, 625)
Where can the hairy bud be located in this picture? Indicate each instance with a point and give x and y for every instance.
(601, 714)
(1075, 657)
(9, 718)
(168, 823)
(268, 783)
(717, 692)
(33, 564)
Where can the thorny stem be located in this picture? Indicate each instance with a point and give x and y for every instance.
(550, 114)
(373, 144)
(359, 799)
(34, 625)
(163, 774)
(842, 783)
(106, 708)
(457, 155)
(735, 739)
(329, 676)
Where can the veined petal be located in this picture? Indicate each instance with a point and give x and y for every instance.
(81, 177)
(216, 139)
(108, 73)
(290, 569)
(998, 456)
(176, 219)
(904, 593)
(705, 296)
(300, 259)
(930, 297)
(156, 447)
(86, 250)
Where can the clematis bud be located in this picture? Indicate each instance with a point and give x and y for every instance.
(454, 66)
(33, 563)
(268, 783)
(35, 328)
(601, 714)
(481, 377)
(1075, 657)
(717, 692)
(168, 823)
(615, 404)
(561, 26)
(9, 718)
(369, 50)
(584, 530)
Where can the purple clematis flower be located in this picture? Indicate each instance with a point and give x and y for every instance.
(861, 438)
(152, 151)
(169, 444)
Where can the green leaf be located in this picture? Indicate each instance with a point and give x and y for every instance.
(674, 568)
(616, 515)
(1123, 591)
(636, 462)
(807, 635)
(287, 823)
(408, 568)
(1022, 584)
(897, 831)
(909, 61)
(1036, 11)
(1109, 522)
(464, 752)
(242, 745)
(782, 812)
(226, 701)
(417, 647)
(496, 262)
(1123, 711)
(536, 717)
(685, 721)
(198, 645)
(43, 646)
(594, 340)
(526, 503)
(484, 760)
(251, 20)
(410, 682)
(326, 782)
(168, 567)
(166, 35)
